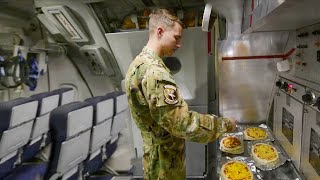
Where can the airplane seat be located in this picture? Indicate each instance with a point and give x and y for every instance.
(122, 114)
(17, 118)
(66, 95)
(103, 108)
(71, 130)
(112, 144)
(28, 171)
(47, 101)
(120, 148)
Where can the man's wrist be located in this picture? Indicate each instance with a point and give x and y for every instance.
(227, 124)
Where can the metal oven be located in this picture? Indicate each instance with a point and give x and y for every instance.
(310, 152)
(288, 116)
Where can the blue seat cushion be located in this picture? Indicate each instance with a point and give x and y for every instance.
(29, 151)
(7, 166)
(111, 148)
(93, 165)
(29, 171)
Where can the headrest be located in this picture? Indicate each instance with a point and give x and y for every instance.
(114, 95)
(103, 108)
(62, 90)
(47, 102)
(17, 111)
(122, 103)
(66, 95)
(70, 119)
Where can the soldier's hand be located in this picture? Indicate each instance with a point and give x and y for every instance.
(234, 124)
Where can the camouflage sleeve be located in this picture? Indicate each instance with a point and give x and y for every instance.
(171, 112)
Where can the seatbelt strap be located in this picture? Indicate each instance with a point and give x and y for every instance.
(104, 155)
(43, 142)
(18, 160)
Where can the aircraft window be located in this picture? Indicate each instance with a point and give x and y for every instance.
(173, 63)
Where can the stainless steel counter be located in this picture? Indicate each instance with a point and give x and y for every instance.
(286, 171)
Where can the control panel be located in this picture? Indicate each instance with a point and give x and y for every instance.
(98, 60)
(293, 89)
(312, 98)
(307, 95)
(307, 59)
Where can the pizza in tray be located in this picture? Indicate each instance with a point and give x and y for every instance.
(265, 154)
(231, 144)
(236, 170)
(254, 133)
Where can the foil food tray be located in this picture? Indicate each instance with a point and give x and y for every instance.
(286, 169)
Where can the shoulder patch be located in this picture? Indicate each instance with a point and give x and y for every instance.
(170, 94)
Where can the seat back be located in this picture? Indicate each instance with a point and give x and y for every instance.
(16, 122)
(101, 132)
(17, 117)
(117, 150)
(122, 114)
(71, 129)
(66, 95)
(47, 102)
(102, 121)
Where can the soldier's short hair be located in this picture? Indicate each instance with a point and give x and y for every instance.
(162, 17)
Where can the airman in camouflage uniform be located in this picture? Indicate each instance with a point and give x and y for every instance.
(163, 116)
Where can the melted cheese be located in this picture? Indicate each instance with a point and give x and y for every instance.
(257, 133)
(265, 151)
(231, 142)
(235, 170)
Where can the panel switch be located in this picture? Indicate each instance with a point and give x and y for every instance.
(98, 60)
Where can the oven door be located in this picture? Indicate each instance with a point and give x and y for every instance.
(288, 125)
(310, 157)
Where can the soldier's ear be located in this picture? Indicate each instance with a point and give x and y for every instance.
(160, 32)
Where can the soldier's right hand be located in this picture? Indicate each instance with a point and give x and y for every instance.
(234, 124)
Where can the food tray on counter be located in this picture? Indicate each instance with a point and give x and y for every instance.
(270, 137)
(284, 170)
(282, 158)
(246, 160)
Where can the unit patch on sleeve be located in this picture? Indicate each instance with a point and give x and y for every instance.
(170, 94)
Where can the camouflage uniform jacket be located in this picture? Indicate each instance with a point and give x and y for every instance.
(163, 117)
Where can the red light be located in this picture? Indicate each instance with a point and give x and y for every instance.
(290, 86)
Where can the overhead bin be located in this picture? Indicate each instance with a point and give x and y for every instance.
(279, 15)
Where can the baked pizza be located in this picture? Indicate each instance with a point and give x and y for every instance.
(254, 133)
(231, 144)
(236, 170)
(264, 154)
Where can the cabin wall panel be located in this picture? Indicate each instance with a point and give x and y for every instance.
(246, 86)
